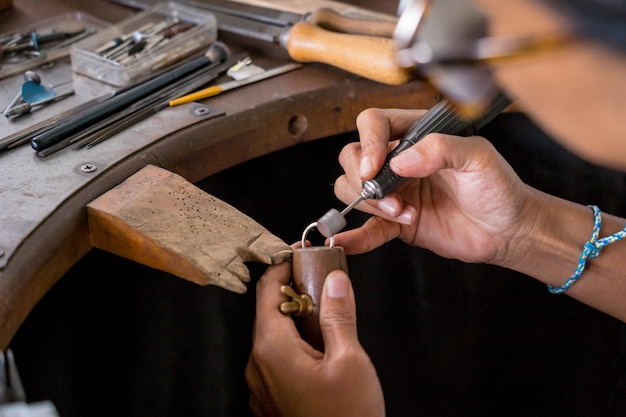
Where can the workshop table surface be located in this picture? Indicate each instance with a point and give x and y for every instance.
(43, 220)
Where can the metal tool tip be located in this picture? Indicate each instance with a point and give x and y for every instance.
(331, 223)
(218, 51)
(32, 76)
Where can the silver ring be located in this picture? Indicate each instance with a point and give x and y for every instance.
(311, 227)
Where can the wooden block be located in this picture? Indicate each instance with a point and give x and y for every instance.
(159, 219)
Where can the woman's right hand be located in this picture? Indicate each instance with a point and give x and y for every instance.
(464, 200)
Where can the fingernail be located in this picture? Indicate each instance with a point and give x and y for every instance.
(337, 286)
(407, 159)
(366, 167)
(387, 207)
(407, 216)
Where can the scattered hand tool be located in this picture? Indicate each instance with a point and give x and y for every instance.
(323, 17)
(148, 106)
(27, 106)
(33, 90)
(47, 41)
(371, 57)
(34, 40)
(218, 89)
(218, 52)
(24, 136)
(28, 76)
(140, 110)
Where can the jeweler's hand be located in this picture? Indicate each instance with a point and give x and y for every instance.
(288, 378)
(465, 201)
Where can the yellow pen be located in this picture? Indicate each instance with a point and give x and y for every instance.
(217, 89)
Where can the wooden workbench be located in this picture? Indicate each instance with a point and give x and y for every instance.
(43, 220)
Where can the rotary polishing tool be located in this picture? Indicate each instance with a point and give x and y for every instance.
(444, 117)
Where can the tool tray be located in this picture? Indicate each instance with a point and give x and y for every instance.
(87, 61)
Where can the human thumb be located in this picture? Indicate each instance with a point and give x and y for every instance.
(338, 312)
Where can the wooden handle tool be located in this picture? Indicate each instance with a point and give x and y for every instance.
(368, 56)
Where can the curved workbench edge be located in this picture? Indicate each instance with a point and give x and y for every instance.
(194, 152)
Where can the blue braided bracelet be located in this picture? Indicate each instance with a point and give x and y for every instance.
(591, 250)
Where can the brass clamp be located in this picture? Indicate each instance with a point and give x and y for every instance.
(298, 304)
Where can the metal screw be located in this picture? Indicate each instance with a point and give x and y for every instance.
(298, 304)
(201, 111)
(88, 168)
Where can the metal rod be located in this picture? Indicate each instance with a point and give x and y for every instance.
(184, 86)
(157, 102)
(140, 110)
(120, 101)
(352, 205)
(24, 136)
